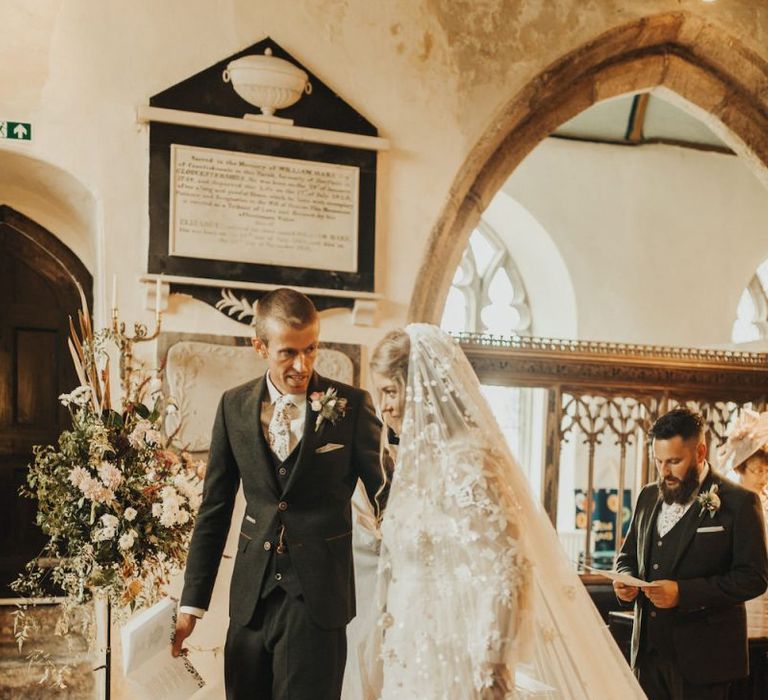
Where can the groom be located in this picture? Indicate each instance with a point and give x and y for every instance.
(701, 540)
(298, 458)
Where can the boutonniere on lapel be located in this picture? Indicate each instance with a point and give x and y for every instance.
(328, 406)
(709, 501)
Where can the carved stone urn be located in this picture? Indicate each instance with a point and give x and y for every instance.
(267, 82)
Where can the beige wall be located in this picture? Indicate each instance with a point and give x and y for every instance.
(429, 74)
(659, 241)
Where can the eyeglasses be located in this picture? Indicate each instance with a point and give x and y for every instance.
(758, 471)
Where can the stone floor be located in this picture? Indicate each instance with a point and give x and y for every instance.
(20, 681)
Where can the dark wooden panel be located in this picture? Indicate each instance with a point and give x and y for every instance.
(38, 289)
(36, 376)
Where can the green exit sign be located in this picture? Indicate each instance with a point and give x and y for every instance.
(18, 131)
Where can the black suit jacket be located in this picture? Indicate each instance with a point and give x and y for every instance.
(316, 512)
(716, 572)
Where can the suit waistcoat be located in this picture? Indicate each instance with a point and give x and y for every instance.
(663, 550)
(280, 571)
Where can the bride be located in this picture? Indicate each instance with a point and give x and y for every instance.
(476, 599)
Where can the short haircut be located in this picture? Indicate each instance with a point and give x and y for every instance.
(285, 306)
(682, 422)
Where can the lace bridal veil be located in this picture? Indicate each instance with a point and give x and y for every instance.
(472, 580)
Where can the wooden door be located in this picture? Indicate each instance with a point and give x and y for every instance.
(37, 294)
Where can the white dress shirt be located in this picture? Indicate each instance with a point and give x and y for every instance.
(298, 416)
(671, 513)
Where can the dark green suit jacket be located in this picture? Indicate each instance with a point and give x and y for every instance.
(314, 504)
(720, 562)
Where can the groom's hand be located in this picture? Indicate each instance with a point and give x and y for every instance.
(664, 594)
(624, 592)
(185, 623)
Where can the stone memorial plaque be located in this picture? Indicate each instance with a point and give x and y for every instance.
(251, 208)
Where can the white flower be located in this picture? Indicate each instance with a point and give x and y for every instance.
(126, 540)
(110, 475)
(130, 514)
(182, 517)
(94, 490)
(78, 475)
(80, 396)
(157, 509)
(109, 520)
(153, 438)
(105, 533)
(137, 438)
(709, 501)
(184, 486)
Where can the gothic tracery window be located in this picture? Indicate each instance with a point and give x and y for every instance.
(487, 294)
(752, 311)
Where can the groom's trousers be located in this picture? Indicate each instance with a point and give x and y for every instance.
(282, 654)
(660, 679)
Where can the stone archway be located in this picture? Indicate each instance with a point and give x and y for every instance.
(712, 70)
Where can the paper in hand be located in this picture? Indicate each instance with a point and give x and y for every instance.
(148, 664)
(624, 578)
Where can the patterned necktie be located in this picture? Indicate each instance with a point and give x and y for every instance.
(280, 428)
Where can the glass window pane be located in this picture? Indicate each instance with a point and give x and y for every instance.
(500, 319)
(744, 332)
(483, 251)
(501, 291)
(455, 313)
(746, 310)
(762, 275)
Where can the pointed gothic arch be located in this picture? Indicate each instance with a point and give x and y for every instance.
(724, 80)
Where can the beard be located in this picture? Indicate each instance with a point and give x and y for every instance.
(682, 490)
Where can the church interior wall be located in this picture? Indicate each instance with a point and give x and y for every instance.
(432, 75)
(647, 235)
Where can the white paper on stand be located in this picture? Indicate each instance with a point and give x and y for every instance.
(621, 577)
(147, 661)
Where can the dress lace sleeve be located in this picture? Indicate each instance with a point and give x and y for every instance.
(489, 571)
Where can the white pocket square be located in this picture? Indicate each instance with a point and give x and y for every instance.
(713, 528)
(328, 447)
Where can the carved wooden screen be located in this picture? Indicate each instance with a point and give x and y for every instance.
(606, 396)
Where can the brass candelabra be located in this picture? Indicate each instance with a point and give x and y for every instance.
(141, 334)
(125, 343)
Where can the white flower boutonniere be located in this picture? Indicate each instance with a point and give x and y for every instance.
(709, 501)
(328, 406)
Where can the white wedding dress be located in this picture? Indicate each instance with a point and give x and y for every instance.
(476, 598)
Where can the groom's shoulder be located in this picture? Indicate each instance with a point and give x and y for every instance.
(650, 491)
(735, 493)
(241, 391)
